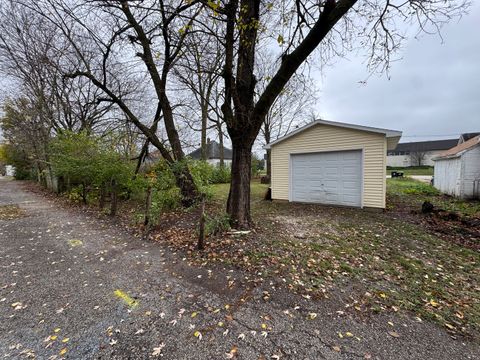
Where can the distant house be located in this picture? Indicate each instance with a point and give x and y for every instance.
(457, 170)
(467, 136)
(418, 153)
(213, 153)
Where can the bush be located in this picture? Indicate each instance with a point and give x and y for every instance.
(202, 172)
(13, 155)
(164, 200)
(217, 224)
(221, 175)
(89, 161)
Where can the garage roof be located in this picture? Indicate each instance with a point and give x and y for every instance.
(392, 135)
(458, 150)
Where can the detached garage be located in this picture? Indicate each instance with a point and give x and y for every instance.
(457, 171)
(332, 163)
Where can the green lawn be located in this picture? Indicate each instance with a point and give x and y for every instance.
(414, 170)
(257, 191)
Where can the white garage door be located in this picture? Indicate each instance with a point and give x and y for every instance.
(327, 178)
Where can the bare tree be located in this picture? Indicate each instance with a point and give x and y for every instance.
(199, 71)
(110, 41)
(291, 109)
(417, 157)
(330, 26)
(31, 54)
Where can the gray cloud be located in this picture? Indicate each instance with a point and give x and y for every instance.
(433, 90)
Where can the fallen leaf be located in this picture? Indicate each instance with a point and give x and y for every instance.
(232, 353)
(394, 334)
(157, 351)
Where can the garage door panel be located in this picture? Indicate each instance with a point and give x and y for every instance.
(329, 178)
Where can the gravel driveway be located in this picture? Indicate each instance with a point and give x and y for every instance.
(76, 286)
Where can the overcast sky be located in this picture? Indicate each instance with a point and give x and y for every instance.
(434, 90)
(432, 93)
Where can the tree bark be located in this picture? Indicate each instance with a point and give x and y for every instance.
(204, 130)
(238, 205)
(220, 141)
(269, 152)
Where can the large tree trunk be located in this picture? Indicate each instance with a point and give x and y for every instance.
(220, 141)
(238, 205)
(269, 152)
(204, 131)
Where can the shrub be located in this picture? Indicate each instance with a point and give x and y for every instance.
(89, 161)
(202, 172)
(164, 200)
(15, 156)
(217, 224)
(221, 175)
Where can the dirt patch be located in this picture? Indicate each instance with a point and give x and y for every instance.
(451, 226)
(10, 212)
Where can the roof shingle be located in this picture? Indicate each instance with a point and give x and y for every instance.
(213, 152)
(456, 150)
(421, 146)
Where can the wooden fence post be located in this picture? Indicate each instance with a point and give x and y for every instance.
(148, 205)
(201, 233)
(113, 204)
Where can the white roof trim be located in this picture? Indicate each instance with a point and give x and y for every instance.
(388, 133)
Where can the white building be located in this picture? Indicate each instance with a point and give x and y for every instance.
(9, 170)
(418, 153)
(457, 170)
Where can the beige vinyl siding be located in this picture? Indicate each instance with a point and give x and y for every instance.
(321, 138)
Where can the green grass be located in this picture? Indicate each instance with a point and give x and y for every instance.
(257, 191)
(414, 170)
(413, 192)
(406, 186)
